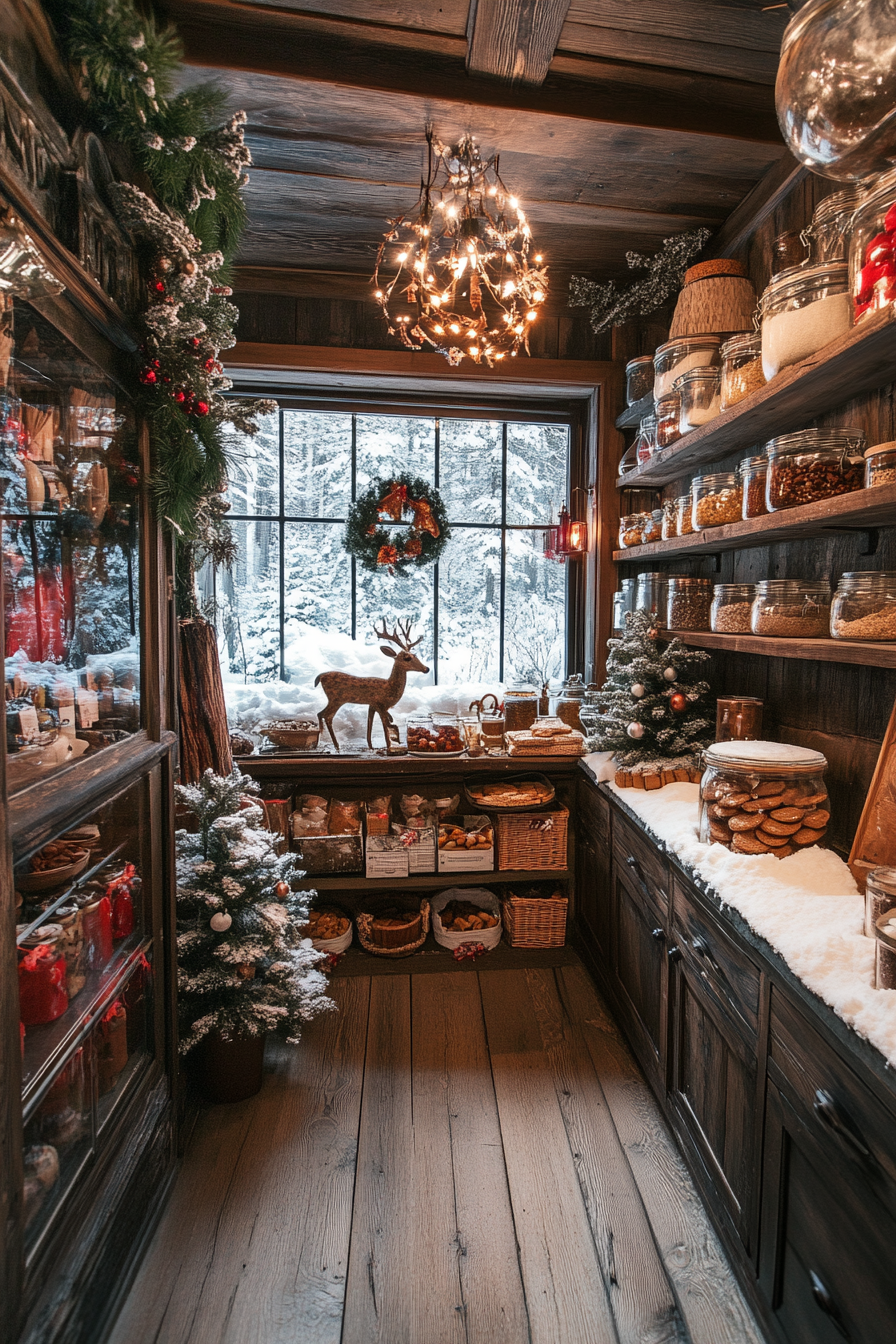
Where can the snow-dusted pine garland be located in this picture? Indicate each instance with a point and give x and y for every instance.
(609, 306)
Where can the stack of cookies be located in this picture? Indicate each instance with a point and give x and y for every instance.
(769, 818)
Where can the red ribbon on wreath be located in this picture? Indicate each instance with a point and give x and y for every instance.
(423, 519)
(393, 503)
(387, 555)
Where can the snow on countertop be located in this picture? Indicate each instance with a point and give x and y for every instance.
(807, 906)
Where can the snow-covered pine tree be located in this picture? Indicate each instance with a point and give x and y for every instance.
(243, 966)
(654, 704)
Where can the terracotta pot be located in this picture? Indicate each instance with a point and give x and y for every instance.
(229, 1070)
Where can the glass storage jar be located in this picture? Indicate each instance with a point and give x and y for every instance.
(880, 464)
(668, 414)
(684, 515)
(569, 701)
(520, 707)
(631, 525)
(753, 472)
(700, 399)
(791, 609)
(653, 527)
(716, 500)
(741, 368)
(645, 443)
(826, 236)
(639, 375)
(679, 356)
(738, 718)
(864, 606)
(42, 975)
(802, 310)
(872, 248)
(731, 608)
(688, 603)
(670, 519)
(623, 603)
(880, 896)
(885, 951)
(650, 594)
(763, 797)
(813, 464)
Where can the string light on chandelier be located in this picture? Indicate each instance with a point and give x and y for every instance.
(459, 272)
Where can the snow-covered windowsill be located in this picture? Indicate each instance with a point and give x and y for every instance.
(807, 907)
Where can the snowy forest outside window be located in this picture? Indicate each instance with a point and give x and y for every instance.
(493, 610)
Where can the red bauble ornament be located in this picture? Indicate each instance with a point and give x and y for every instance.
(201, 408)
(281, 891)
(180, 396)
(159, 286)
(148, 377)
(678, 702)
(195, 342)
(209, 365)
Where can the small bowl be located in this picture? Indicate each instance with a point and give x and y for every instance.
(296, 733)
(51, 877)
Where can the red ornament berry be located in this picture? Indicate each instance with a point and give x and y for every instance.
(195, 342)
(159, 286)
(281, 891)
(201, 408)
(180, 396)
(678, 702)
(156, 363)
(209, 365)
(147, 377)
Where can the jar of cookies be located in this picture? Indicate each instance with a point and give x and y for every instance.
(763, 798)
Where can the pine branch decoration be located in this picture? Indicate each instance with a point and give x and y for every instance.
(609, 306)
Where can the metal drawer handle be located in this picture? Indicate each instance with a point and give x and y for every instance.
(828, 1112)
(674, 954)
(703, 951)
(658, 934)
(635, 867)
(826, 1302)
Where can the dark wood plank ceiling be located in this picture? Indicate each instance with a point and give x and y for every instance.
(651, 118)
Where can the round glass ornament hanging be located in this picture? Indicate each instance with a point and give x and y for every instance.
(456, 274)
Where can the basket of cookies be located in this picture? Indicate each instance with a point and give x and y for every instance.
(329, 928)
(393, 926)
(763, 798)
(466, 845)
(464, 915)
(514, 793)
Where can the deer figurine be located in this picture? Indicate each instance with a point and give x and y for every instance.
(379, 693)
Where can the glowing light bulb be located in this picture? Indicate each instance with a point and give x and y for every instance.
(471, 247)
(509, 288)
(499, 355)
(378, 294)
(474, 350)
(531, 316)
(436, 301)
(402, 256)
(419, 265)
(514, 202)
(509, 258)
(425, 232)
(452, 212)
(430, 279)
(539, 257)
(538, 296)
(440, 331)
(454, 327)
(519, 329)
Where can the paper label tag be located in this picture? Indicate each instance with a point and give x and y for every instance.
(28, 725)
(387, 863)
(88, 708)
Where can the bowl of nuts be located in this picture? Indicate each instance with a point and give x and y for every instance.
(54, 865)
(329, 929)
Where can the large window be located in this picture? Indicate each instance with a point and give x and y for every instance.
(491, 611)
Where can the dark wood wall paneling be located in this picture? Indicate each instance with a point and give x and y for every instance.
(838, 709)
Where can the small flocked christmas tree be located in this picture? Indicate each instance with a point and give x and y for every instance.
(244, 967)
(654, 703)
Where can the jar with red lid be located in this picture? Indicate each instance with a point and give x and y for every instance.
(813, 464)
(121, 898)
(42, 993)
(872, 249)
(96, 916)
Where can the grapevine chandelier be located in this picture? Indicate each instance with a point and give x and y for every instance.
(460, 276)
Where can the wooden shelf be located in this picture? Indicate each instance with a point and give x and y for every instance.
(858, 362)
(432, 881)
(632, 416)
(862, 509)
(814, 650)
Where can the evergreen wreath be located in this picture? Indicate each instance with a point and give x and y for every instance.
(608, 306)
(377, 545)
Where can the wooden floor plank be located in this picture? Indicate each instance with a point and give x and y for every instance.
(644, 1306)
(255, 1243)
(711, 1302)
(378, 1298)
(565, 1293)
(467, 1284)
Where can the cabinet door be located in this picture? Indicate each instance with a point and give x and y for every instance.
(826, 1258)
(593, 871)
(640, 974)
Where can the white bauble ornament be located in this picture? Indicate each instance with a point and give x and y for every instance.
(635, 730)
(221, 922)
(670, 673)
(638, 690)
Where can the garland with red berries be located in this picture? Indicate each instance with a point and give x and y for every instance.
(400, 523)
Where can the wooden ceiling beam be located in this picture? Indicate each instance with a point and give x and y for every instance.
(229, 35)
(514, 40)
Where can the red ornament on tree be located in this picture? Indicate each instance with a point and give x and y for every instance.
(281, 891)
(200, 408)
(678, 702)
(159, 286)
(148, 377)
(180, 396)
(209, 365)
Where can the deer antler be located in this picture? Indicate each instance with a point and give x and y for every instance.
(400, 636)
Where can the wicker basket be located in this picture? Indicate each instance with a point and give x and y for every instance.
(533, 839)
(534, 921)
(366, 918)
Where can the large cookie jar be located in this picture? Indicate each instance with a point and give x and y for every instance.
(763, 798)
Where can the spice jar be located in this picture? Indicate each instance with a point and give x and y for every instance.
(670, 520)
(653, 527)
(645, 443)
(880, 464)
(638, 378)
(763, 797)
(111, 1046)
(472, 733)
(684, 521)
(668, 414)
(679, 356)
(631, 525)
(688, 603)
(872, 248)
(42, 993)
(716, 500)
(650, 594)
(791, 609)
(885, 952)
(753, 472)
(700, 399)
(826, 235)
(73, 947)
(96, 918)
(802, 310)
(813, 464)
(732, 605)
(569, 701)
(520, 707)
(864, 606)
(880, 896)
(741, 368)
(738, 718)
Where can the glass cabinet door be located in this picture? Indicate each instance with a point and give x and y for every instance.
(69, 492)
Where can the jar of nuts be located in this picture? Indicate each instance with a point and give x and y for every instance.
(688, 603)
(653, 527)
(716, 500)
(864, 606)
(791, 609)
(684, 521)
(880, 464)
(670, 519)
(763, 798)
(814, 464)
(752, 472)
(741, 367)
(631, 525)
(732, 605)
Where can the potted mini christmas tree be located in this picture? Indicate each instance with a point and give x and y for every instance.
(654, 707)
(244, 968)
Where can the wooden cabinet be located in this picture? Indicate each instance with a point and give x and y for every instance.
(593, 896)
(785, 1119)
